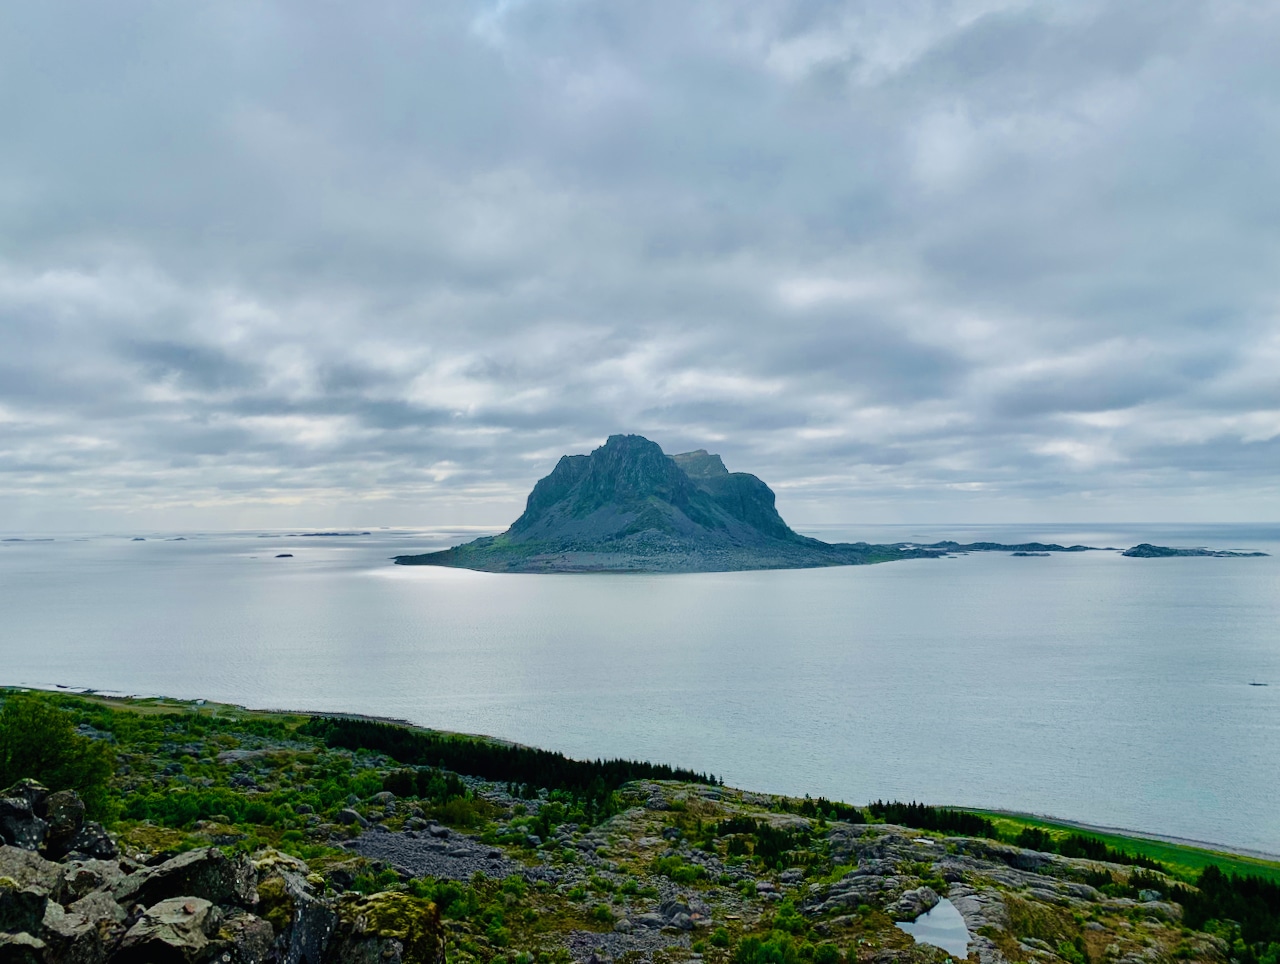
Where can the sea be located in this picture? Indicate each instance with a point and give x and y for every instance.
(1139, 694)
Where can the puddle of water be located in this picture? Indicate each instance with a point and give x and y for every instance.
(942, 927)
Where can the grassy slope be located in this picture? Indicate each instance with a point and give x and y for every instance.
(1183, 860)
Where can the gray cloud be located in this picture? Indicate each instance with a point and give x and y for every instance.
(975, 259)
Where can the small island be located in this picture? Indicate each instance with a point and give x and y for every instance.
(1148, 551)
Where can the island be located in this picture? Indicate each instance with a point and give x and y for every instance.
(630, 507)
(1148, 551)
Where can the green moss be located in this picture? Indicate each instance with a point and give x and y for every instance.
(414, 922)
(275, 906)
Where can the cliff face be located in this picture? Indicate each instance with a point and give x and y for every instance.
(628, 506)
(629, 487)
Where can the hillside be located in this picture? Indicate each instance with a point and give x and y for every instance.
(242, 836)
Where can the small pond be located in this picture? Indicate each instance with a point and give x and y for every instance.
(942, 927)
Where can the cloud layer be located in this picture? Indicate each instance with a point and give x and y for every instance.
(280, 263)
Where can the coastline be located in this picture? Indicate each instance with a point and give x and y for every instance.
(1186, 842)
(339, 837)
(163, 703)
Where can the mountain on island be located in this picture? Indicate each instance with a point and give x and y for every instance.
(630, 507)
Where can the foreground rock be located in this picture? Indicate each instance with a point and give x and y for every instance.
(54, 824)
(199, 906)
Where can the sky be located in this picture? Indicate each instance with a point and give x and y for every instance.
(275, 264)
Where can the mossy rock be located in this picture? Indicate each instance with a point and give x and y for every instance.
(367, 924)
(275, 903)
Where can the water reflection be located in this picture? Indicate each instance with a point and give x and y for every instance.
(942, 927)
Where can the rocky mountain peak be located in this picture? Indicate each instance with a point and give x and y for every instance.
(700, 464)
(628, 505)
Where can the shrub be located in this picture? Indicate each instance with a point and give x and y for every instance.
(776, 950)
(602, 913)
(38, 740)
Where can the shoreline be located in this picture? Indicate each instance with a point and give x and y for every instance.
(168, 702)
(1189, 842)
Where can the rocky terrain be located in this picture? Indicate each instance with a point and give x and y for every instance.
(647, 884)
(68, 893)
(322, 853)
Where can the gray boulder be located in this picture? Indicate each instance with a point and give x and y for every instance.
(21, 908)
(32, 792)
(78, 878)
(21, 948)
(64, 815)
(86, 932)
(207, 874)
(19, 825)
(28, 869)
(349, 816)
(92, 842)
(174, 931)
(913, 903)
(243, 938)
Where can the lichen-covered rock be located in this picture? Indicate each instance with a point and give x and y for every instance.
(64, 815)
(174, 931)
(32, 792)
(92, 842)
(207, 873)
(243, 938)
(912, 904)
(81, 877)
(388, 928)
(28, 869)
(86, 932)
(21, 948)
(303, 923)
(21, 908)
(19, 825)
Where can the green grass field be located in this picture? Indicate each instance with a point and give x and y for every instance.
(1182, 860)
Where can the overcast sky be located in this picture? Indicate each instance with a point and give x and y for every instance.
(382, 263)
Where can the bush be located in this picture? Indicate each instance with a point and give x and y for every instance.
(37, 740)
(826, 954)
(776, 950)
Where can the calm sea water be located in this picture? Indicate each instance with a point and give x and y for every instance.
(1092, 687)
